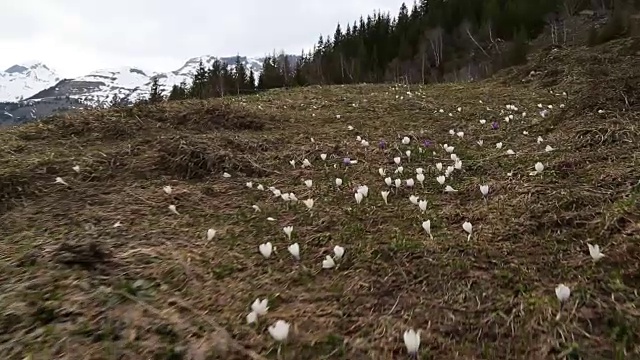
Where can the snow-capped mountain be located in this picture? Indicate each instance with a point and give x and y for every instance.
(30, 91)
(99, 87)
(186, 71)
(23, 80)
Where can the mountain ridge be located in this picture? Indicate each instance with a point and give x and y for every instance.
(26, 72)
(21, 81)
(36, 86)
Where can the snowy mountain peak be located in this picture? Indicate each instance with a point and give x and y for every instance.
(35, 81)
(100, 87)
(191, 65)
(44, 93)
(27, 66)
(23, 80)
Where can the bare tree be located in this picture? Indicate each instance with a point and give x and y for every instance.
(569, 9)
(283, 64)
(394, 68)
(346, 67)
(598, 6)
(350, 68)
(424, 49)
(487, 30)
(466, 28)
(435, 39)
(221, 84)
(553, 20)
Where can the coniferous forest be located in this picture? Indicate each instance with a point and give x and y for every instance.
(430, 41)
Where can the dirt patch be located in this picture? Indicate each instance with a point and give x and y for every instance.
(88, 254)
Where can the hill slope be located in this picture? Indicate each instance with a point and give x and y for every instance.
(105, 268)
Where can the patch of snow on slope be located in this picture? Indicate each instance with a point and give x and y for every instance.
(126, 77)
(101, 85)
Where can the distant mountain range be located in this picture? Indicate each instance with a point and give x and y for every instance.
(22, 81)
(33, 90)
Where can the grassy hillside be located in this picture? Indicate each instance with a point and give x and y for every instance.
(102, 269)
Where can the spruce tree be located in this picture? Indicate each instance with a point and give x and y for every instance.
(430, 37)
(199, 84)
(251, 81)
(240, 76)
(215, 83)
(298, 77)
(155, 95)
(177, 93)
(261, 84)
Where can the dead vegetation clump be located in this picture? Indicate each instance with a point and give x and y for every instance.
(21, 180)
(128, 123)
(12, 188)
(132, 144)
(198, 158)
(605, 77)
(212, 118)
(202, 115)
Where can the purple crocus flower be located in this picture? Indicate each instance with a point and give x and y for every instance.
(426, 143)
(495, 125)
(346, 161)
(382, 144)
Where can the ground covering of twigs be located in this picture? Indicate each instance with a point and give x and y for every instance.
(74, 286)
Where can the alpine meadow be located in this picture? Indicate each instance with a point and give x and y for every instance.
(458, 181)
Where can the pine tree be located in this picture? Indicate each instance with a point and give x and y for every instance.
(430, 37)
(240, 76)
(251, 81)
(115, 101)
(298, 77)
(178, 92)
(271, 76)
(155, 95)
(285, 69)
(261, 82)
(199, 84)
(228, 82)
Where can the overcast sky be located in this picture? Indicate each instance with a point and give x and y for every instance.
(75, 37)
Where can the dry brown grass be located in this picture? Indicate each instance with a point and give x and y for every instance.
(73, 286)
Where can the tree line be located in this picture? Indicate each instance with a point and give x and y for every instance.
(216, 81)
(432, 41)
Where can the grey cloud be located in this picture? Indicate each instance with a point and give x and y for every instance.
(180, 29)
